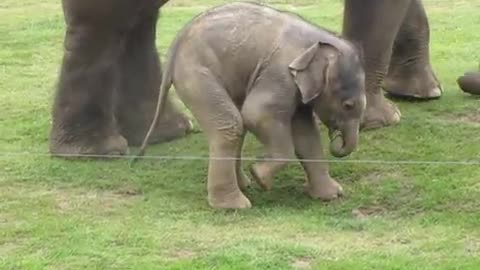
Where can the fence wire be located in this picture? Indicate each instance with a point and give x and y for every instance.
(406, 119)
(6, 155)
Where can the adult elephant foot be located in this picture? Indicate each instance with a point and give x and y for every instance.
(83, 121)
(135, 119)
(416, 82)
(82, 126)
(109, 81)
(137, 90)
(470, 82)
(94, 146)
(410, 74)
(380, 112)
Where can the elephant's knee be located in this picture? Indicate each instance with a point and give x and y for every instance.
(231, 132)
(228, 134)
(252, 114)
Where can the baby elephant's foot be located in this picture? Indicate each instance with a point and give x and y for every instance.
(327, 189)
(262, 176)
(233, 200)
(243, 180)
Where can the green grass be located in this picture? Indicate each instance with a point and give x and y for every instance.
(57, 214)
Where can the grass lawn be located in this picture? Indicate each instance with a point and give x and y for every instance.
(57, 214)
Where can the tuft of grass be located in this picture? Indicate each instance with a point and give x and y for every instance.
(58, 214)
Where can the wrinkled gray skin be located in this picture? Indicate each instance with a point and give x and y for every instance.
(395, 37)
(244, 66)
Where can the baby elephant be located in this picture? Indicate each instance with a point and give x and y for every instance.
(244, 66)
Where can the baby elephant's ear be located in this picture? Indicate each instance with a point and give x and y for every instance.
(310, 70)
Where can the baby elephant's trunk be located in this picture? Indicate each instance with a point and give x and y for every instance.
(344, 140)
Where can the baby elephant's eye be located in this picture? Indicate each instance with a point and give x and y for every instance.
(348, 105)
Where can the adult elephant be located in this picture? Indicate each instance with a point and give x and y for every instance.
(111, 73)
(395, 37)
(109, 79)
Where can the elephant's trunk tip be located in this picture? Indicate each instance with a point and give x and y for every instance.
(342, 144)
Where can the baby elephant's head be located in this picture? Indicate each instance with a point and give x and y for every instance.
(332, 81)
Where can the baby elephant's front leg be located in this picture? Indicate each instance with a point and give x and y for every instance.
(308, 146)
(275, 134)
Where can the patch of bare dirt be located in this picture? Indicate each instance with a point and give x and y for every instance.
(9, 220)
(182, 254)
(381, 204)
(472, 118)
(101, 201)
(379, 177)
(129, 191)
(302, 263)
(8, 248)
(4, 219)
(472, 247)
(365, 212)
(66, 200)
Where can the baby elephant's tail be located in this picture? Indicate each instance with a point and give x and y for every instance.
(162, 97)
(167, 80)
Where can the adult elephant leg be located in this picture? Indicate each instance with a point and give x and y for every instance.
(140, 80)
(82, 118)
(374, 24)
(410, 73)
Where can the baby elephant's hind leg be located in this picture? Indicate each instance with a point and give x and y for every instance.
(221, 121)
(242, 179)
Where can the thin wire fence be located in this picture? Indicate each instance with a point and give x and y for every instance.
(6, 155)
(406, 119)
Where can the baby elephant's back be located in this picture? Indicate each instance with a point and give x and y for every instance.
(227, 44)
(235, 29)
